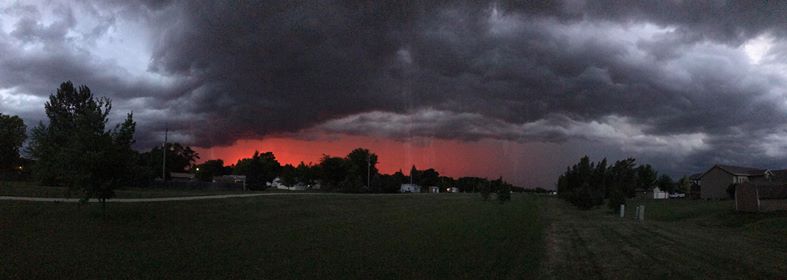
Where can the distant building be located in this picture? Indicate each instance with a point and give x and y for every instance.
(237, 179)
(181, 176)
(278, 183)
(410, 188)
(452, 189)
(434, 189)
(659, 194)
(715, 181)
(230, 179)
(694, 188)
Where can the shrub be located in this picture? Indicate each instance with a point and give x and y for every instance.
(485, 191)
(731, 191)
(616, 198)
(503, 195)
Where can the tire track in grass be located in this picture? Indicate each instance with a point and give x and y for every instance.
(567, 253)
(586, 255)
(737, 255)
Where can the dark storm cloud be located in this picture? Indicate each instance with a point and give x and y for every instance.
(649, 76)
(280, 67)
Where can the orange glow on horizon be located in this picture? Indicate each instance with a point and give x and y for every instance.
(485, 158)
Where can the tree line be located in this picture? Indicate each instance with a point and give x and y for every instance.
(77, 149)
(588, 184)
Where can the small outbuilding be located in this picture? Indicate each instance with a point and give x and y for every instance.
(434, 189)
(410, 188)
(659, 194)
(760, 197)
(181, 176)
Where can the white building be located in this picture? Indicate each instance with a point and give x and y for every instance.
(410, 188)
(278, 183)
(452, 190)
(434, 189)
(659, 194)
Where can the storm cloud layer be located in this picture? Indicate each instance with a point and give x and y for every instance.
(686, 83)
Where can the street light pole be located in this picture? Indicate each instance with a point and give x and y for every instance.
(164, 161)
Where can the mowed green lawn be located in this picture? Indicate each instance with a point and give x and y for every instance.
(680, 239)
(444, 236)
(31, 189)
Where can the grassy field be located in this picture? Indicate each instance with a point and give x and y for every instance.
(31, 189)
(443, 236)
(282, 237)
(680, 239)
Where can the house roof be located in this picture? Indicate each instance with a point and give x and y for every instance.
(695, 176)
(779, 175)
(740, 170)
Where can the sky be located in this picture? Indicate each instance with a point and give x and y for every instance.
(471, 88)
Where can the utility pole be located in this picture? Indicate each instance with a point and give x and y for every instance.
(164, 161)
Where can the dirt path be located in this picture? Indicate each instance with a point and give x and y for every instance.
(596, 245)
(156, 199)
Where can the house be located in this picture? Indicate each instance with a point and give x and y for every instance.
(659, 194)
(434, 189)
(452, 189)
(230, 179)
(694, 188)
(236, 179)
(715, 181)
(695, 178)
(410, 188)
(278, 183)
(760, 196)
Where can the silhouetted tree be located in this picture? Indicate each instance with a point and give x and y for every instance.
(288, 175)
(485, 190)
(429, 178)
(360, 162)
(13, 133)
(209, 169)
(75, 150)
(665, 183)
(684, 185)
(333, 170)
(180, 158)
(646, 177)
(504, 194)
(586, 184)
(306, 174)
(260, 169)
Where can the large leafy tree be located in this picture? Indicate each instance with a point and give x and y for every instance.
(211, 168)
(12, 136)
(586, 184)
(75, 150)
(333, 171)
(259, 169)
(180, 158)
(306, 174)
(363, 164)
(666, 183)
(646, 177)
(429, 178)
